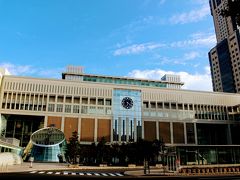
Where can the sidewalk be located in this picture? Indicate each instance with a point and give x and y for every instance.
(153, 172)
(25, 166)
(131, 171)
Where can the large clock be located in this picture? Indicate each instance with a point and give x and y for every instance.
(127, 103)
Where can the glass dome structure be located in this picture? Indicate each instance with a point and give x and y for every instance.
(46, 145)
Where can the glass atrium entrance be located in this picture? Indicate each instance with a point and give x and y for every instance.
(22, 126)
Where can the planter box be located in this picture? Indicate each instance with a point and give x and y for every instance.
(159, 165)
(103, 165)
(132, 165)
(73, 165)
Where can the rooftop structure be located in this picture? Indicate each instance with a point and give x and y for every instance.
(76, 74)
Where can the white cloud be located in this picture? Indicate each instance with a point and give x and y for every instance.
(198, 39)
(191, 16)
(191, 55)
(194, 81)
(137, 48)
(17, 69)
(29, 70)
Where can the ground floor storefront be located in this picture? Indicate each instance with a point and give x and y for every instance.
(203, 155)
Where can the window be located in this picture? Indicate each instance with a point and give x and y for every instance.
(108, 111)
(51, 98)
(92, 110)
(60, 99)
(76, 100)
(108, 102)
(100, 101)
(166, 105)
(68, 99)
(180, 106)
(59, 107)
(68, 108)
(84, 100)
(160, 105)
(93, 101)
(153, 104)
(173, 105)
(75, 108)
(84, 110)
(145, 104)
(51, 107)
(190, 107)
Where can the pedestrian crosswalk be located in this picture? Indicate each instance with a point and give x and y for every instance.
(74, 173)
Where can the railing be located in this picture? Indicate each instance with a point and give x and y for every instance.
(210, 169)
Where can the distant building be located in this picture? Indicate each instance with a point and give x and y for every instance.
(224, 58)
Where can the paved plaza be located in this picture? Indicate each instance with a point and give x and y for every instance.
(38, 167)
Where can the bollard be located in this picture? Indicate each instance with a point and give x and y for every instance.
(199, 170)
(220, 170)
(31, 159)
(207, 170)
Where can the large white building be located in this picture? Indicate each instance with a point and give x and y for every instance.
(122, 110)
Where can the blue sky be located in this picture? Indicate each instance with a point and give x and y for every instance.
(136, 38)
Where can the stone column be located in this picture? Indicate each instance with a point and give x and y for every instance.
(195, 133)
(127, 129)
(95, 130)
(171, 131)
(157, 130)
(79, 127)
(111, 131)
(62, 123)
(135, 129)
(119, 128)
(185, 132)
(142, 129)
(45, 121)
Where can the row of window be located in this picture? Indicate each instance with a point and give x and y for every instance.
(43, 98)
(124, 81)
(68, 108)
(76, 109)
(55, 89)
(181, 106)
(187, 115)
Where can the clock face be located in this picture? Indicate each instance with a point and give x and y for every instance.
(127, 103)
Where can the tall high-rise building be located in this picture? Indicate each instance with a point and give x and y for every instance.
(224, 58)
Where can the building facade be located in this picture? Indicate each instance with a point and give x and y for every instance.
(203, 127)
(224, 58)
